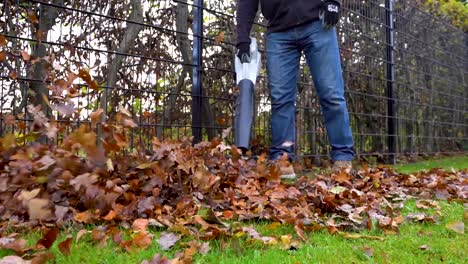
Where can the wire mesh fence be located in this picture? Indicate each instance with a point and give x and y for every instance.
(170, 65)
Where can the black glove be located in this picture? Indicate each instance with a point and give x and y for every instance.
(243, 52)
(329, 14)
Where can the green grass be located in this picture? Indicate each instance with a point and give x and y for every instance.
(458, 163)
(445, 246)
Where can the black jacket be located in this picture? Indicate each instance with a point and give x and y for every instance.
(281, 14)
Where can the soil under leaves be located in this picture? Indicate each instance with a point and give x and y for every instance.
(201, 191)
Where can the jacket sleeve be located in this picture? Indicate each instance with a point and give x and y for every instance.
(246, 12)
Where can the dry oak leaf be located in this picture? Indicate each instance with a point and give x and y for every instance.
(48, 239)
(167, 240)
(65, 246)
(458, 227)
(140, 225)
(14, 260)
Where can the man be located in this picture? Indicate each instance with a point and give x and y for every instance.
(296, 26)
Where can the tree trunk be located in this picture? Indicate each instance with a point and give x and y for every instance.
(128, 40)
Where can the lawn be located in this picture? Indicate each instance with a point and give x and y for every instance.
(415, 243)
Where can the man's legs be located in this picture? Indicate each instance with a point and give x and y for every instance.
(323, 57)
(283, 57)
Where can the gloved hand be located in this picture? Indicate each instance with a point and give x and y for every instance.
(329, 14)
(243, 52)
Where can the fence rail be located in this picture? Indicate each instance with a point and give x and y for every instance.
(169, 62)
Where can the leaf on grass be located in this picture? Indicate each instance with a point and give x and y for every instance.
(43, 258)
(458, 227)
(359, 236)
(13, 260)
(98, 235)
(421, 217)
(48, 239)
(65, 246)
(424, 247)
(167, 240)
(140, 225)
(17, 245)
(80, 234)
(300, 233)
(273, 225)
(142, 240)
(157, 259)
(426, 204)
(368, 251)
(204, 248)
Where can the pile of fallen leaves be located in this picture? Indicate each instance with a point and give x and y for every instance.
(201, 191)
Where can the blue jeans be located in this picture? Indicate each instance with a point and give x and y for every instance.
(284, 51)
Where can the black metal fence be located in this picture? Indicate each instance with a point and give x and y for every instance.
(169, 63)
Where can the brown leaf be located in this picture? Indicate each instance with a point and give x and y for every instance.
(421, 217)
(85, 76)
(83, 217)
(359, 236)
(37, 209)
(65, 246)
(140, 225)
(17, 245)
(157, 259)
(99, 236)
(49, 238)
(142, 240)
(2, 56)
(3, 41)
(220, 37)
(300, 233)
(83, 180)
(110, 216)
(40, 35)
(95, 117)
(80, 234)
(129, 123)
(228, 214)
(167, 240)
(33, 17)
(342, 177)
(458, 227)
(13, 75)
(43, 258)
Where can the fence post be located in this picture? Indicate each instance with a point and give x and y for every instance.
(391, 140)
(197, 71)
